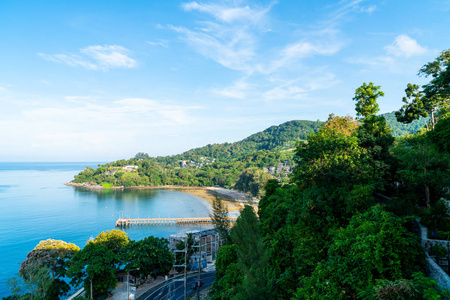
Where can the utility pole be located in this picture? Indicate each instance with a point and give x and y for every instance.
(185, 267)
(92, 297)
(199, 263)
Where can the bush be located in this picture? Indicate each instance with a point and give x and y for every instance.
(438, 251)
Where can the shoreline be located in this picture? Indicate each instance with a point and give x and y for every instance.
(235, 199)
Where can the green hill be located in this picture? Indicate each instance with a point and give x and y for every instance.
(274, 138)
(228, 164)
(399, 129)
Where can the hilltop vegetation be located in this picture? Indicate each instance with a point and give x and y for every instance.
(225, 165)
(399, 129)
(243, 165)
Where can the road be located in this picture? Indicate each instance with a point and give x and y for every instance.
(174, 290)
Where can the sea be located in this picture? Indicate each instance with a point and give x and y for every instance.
(35, 205)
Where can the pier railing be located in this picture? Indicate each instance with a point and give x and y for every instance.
(167, 221)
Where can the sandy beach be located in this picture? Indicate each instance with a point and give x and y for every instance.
(234, 199)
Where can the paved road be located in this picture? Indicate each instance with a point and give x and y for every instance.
(174, 290)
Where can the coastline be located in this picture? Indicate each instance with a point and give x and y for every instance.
(235, 199)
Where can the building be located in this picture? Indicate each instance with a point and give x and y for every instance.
(207, 240)
(130, 167)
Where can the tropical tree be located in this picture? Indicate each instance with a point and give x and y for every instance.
(251, 254)
(151, 255)
(252, 180)
(423, 169)
(366, 99)
(229, 277)
(375, 245)
(94, 266)
(430, 98)
(114, 240)
(32, 283)
(220, 219)
(440, 136)
(52, 256)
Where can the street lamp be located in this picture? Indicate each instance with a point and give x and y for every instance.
(128, 281)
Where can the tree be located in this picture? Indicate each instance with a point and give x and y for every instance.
(33, 281)
(440, 136)
(252, 180)
(424, 171)
(251, 254)
(98, 261)
(335, 171)
(375, 136)
(419, 287)
(114, 240)
(375, 245)
(220, 219)
(94, 264)
(151, 255)
(53, 256)
(229, 277)
(366, 99)
(430, 98)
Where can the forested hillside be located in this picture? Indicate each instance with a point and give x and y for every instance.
(245, 165)
(274, 138)
(399, 129)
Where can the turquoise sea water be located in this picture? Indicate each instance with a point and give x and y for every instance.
(36, 205)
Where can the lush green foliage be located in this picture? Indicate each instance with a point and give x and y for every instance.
(440, 136)
(419, 287)
(432, 97)
(220, 219)
(42, 271)
(222, 165)
(375, 245)
(399, 128)
(366, 99)
(42, 274)
(151, 255)
(239, 165)
(96, 263)
(423, 171)
(324, 236)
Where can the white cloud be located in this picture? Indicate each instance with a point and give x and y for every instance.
(369, 9)
(69, 59)
(237, 90)
(299, 88)
(230, 14)
(95, 58)
(404, 46)
(303, 49)
(232, 48)
(162, 43)
(4, 88)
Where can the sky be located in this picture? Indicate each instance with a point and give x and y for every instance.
(102, 80)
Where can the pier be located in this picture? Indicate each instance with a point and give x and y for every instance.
(167, 221)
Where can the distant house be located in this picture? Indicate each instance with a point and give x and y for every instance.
(271, 169)
(129, 167)
(183, 163)
(110, 172)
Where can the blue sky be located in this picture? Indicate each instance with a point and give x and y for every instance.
(103, 80)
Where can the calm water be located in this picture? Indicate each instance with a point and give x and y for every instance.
(36, 205)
